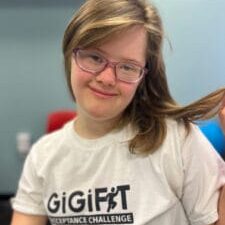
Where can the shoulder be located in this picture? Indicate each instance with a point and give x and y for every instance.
(178, 131)
(182, 150)
(50, 145)
(169, 156)
(188, 143)
(175, 132)
(50, 140)
(192, 148)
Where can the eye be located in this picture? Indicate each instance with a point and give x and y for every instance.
(129, 67)
(95, 58)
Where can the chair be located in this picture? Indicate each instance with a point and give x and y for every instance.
(56, 119)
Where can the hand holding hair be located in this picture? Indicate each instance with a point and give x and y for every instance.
(222, 115)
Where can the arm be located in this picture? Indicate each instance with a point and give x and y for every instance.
(28, 204)
(204, 173)
(25, 219)
(221, 207)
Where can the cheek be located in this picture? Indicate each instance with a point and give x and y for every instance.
(129, 91)
(78, 79)
(74, 82)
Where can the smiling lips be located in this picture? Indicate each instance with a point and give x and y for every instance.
(102, 94)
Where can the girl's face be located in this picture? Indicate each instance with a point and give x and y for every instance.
(101, 97)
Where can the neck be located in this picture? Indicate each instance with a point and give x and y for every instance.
(92, 129)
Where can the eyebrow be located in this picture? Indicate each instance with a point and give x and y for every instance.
(122, 59)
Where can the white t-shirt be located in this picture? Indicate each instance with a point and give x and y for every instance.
(78, 181)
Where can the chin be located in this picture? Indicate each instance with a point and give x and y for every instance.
(103, 116)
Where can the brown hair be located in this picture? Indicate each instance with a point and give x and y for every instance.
(95, 23)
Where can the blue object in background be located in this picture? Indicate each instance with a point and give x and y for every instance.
(212, 130)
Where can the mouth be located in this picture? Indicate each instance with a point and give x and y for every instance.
(102, 94)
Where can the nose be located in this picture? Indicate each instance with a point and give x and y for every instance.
(107, 76)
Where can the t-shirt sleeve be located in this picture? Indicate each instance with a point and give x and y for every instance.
(29, 197)
(204, 174)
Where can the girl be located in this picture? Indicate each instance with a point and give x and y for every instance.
(132, 155)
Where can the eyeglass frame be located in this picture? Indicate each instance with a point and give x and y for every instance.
(113, 65)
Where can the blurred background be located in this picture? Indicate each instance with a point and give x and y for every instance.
(32, 80)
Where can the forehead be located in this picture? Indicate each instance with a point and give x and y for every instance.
(128, 43)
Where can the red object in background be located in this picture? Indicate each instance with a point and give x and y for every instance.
(57, 119)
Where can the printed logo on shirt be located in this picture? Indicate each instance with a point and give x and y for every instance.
(98, 205)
